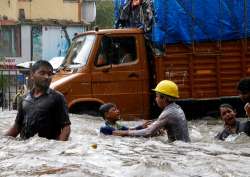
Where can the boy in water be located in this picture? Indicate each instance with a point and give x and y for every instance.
(231, 125)
(111, 114)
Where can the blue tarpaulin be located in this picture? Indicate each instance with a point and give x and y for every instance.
(200, 20)
(118, 4)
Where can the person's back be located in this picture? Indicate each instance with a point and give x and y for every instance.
(172, 118)
(245, 127)
(243, 88)
(175, 123)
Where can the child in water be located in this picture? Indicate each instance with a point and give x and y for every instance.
(231, 125)
(111, 114)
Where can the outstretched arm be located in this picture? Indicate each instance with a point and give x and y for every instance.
(150, 131)
(64, 136)
(16, 127)
(142, 126)
(63, 115)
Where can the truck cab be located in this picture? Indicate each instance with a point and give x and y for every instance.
(106, 66)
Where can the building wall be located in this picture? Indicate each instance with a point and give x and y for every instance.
(9, 9)
(50, 9)
(50, 38)
(41, 9)
(25, 45)
(45, 11)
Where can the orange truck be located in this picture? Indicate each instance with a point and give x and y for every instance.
(95, 71)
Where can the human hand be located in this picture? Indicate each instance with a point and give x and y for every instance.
(247, 109)
(146, 123)
(120, 133)
(161, 132)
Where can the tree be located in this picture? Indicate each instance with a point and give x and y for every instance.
(104, 14)
(3, 83)
(3, 79)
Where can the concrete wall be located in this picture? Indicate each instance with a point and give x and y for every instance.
(41, 9)
(50, 38)
(25, 45)
(50, 9)
(9, 9)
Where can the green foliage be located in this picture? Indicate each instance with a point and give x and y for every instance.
(3, 81)
(3, 78)
(104, 14)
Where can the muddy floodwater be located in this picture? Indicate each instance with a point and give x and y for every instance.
(90, 154)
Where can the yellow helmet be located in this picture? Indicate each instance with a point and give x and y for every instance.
(167, 87)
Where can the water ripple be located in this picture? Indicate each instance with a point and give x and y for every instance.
(90, 154)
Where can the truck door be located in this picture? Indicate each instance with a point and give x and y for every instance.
(117, 75)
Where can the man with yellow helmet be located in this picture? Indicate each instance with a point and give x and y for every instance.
(172, 117)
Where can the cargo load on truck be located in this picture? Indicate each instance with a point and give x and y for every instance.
(204, 49)
(204, 46)
(175, 21)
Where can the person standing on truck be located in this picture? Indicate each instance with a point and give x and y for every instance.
(244, 93)
(231, 125)
(172, 118)
(136, 14)
(42, 111)
(111, 114)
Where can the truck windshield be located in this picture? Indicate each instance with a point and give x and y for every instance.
(79, 51)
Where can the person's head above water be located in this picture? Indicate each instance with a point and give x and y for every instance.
(228, 114)
(109, 112)
(41, 74)
(41, 63)
(244, 89)
(166, 93)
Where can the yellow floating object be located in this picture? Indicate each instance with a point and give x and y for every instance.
(94, 146)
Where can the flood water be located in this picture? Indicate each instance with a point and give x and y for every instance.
(123, 157)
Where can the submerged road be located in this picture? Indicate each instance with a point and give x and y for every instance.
(88, 153)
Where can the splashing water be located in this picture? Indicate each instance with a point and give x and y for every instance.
(88, 153)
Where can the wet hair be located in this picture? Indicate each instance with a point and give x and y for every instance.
(229, 106)
(105, 108)
(39, 64)
(244, 85)
(226, 105)
(170, 99)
